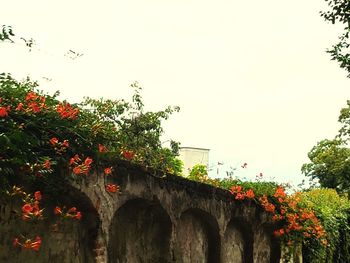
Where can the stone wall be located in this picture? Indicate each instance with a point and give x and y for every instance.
(155, 218)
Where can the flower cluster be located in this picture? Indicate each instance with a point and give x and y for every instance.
(59, 147)
(70, 213)
(31, 209)
(80, 167)
(66, 111)
(239, 194)
(28, 243)
(33, 103)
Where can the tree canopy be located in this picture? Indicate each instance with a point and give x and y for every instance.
(330, 159)
(339, 12)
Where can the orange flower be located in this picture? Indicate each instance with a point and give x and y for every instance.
(65, 143)
(108, 170)
(279, 192)
(78, 216)
(77, 170)
(31, 96)
(35, 245)
(57, 210)
(47, 164)
(37, 196)
(112, 188)
(74, 159)
(239, 196)
(66, 111)
(236, 189)
(250, 194)
(53, 141)
(19, 107)
(102, 149)
(72, 209)
(88, 161)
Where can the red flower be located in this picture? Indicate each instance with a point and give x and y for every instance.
(27, 208)
(19, 106)
(4, 111)
(108, 170)
(88, 161)
(74, 159)
(128, 155)
(102, 149)
(31, 96)
(77, 170)
(57, 210)
(34, 107)
(16, 242)
(236, 189)
(54, 141)
(279, 232)
(47, 164)
(36, 244)
(65, 143)
(78, 215)
(112, 188)
(67, 112)
(37, 196)
(72, 210)
(239, 196)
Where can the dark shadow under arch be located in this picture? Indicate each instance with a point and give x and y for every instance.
(140, 232)
(238, 242)
(266, 248)
(197, 238)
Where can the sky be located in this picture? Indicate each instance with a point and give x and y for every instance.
(252, 78)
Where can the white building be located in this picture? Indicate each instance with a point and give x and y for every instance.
(191, 156)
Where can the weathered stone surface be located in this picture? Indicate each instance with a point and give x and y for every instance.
(153, 219)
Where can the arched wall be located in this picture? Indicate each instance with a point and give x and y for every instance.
(153, 219)
(63, 241)
(140, 232)
(197, 238)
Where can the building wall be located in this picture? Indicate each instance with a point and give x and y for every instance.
(191, 156)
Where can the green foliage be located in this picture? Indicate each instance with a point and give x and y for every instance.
(330, 159)
(29, 119)
(333, 212)
(339, 12)
(199, 171)
(330, 164)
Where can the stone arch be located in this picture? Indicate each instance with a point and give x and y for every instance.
(140, 232)
(237, 242)
(63, 241)
(197, 238)
(266, 248)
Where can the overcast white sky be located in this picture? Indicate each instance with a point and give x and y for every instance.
(251, 77)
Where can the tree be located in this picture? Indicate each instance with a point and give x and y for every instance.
(340, 12)
(330, 164)
(330, 159)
